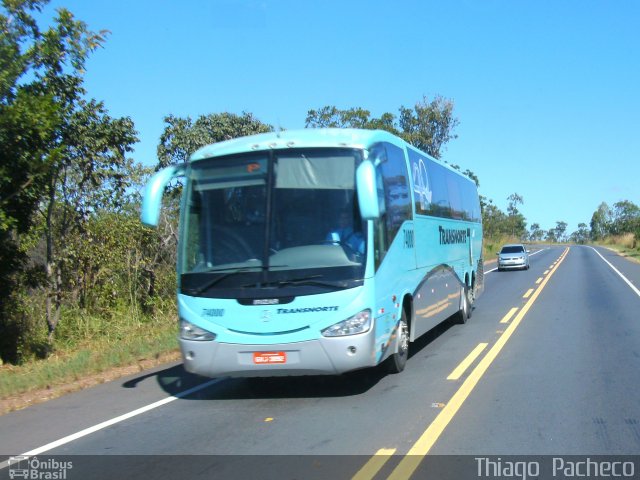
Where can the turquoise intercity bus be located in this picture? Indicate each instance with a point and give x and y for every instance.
(318, 251)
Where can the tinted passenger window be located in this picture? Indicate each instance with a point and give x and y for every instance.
(440, 192)
(440, 206)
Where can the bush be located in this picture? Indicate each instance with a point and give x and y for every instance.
(115, 275)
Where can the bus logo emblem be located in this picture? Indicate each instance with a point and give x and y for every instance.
(266, 301)
(266, 316)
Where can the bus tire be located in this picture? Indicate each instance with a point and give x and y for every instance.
(397, 361)
(466, 303)
(471, 298)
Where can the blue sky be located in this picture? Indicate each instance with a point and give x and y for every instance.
(546, 91)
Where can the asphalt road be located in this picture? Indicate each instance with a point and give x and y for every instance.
(553, 358)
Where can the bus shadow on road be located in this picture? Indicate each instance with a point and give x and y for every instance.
(421, 343)
(175, 380)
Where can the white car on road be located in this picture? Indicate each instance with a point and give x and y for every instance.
(513, 255)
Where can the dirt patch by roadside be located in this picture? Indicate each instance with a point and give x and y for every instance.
(18, 402)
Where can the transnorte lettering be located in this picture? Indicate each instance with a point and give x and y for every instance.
(308, 309)
(450, 236)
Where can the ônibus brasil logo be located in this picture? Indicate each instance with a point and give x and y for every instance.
(35, 469)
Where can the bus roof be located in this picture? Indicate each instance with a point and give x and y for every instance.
(305, 138)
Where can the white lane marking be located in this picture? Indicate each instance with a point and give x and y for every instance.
(531, 255)
(633, 287)
(113, 421)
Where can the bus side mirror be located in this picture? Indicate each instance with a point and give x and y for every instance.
(153, 192)
(367, 191)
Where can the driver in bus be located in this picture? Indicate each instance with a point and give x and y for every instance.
(345, 235)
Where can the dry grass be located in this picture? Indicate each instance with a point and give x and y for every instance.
(57, 388)
(74, 364)
(625, 241)
(492, 246)
(626, 245)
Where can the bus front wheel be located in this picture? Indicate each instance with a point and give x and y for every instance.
(397, 361)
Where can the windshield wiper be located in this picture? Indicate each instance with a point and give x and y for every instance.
(213, 282)
(310, 280)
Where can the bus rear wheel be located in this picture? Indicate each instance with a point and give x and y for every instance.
(397, 361)
(466, 304)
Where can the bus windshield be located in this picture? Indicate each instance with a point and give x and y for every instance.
(285, 220)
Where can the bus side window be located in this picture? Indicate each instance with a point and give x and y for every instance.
(381, 241)
(394, 195)
(378, 156)
(454, 186)
(396, 190)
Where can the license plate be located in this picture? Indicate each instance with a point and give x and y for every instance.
(262, 358)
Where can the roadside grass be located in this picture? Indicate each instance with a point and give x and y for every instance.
(492, 245)
(625, 245)
(100, 344)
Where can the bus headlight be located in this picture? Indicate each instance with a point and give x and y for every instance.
(189, 331)
(359, 323)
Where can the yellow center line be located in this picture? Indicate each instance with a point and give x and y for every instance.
(528, 294)
(460, 369)
(411, 461)
(375, 463)
(508, 316)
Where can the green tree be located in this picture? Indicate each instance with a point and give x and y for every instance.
(90, 172)
(62, 159)
(183, 136)
(536, 234)
(39, 73)
(626, 217)
(332, 117)
(493, 220)
(559, 231)
(581, 235)
(428, 125)
(516, 223)
(601, 222)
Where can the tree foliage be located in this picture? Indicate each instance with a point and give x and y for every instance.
(581, 235)
(601, 221)
(332, 117)
(536, 234)
(626, 218)
(183, 136)
(429, 125)
(516, 223)
(90, 173)
(623, 218)
(494, 220)
(62, 157)
(560, 230)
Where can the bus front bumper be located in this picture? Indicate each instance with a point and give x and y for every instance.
(324, 356)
